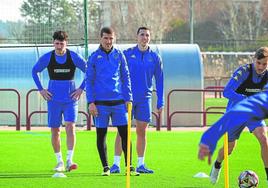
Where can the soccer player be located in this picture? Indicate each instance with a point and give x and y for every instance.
(144, 65)
(251, 109)
(108, 91)
(62, 95)
(247, 80)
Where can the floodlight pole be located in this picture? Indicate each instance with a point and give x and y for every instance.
(191, 12)
(86, 28)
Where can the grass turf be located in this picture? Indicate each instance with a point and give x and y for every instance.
(212, 102)
(27, 161)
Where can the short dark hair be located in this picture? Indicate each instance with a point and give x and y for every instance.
(142, 28)
(261, 53)
(60, 35)
(107, 30)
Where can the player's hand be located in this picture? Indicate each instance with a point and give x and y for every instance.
(159, 110)
(93, 109)
(45, 94)
(204, 152)
(77, 94)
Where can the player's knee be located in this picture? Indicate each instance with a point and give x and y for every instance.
(263, 140)
(140, 130)
(55, 132)
(231, 149)
(141, 133)
(70, 128)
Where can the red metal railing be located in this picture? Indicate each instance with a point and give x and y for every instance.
(158, 120)
(28, 116)
(212, 78)
(217, 82)
(215, 93)
(17, 115)
(189, 112)
(157, 117)
(204, 112)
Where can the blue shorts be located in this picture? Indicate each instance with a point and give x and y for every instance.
(117, 113)
(251, 125)
(142, 110)
(57, 109)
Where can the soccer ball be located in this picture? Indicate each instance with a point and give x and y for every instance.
(247, 179)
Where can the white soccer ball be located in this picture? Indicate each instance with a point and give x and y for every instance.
(247, 179)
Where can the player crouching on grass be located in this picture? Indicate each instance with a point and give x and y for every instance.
(247, 80)
(251, 109)
(61, 96)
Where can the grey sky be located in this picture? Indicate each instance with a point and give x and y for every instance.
(9, 10)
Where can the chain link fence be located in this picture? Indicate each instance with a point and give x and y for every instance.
(226, 25)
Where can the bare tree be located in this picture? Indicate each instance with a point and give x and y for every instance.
(125, 16)
(155, 14)
(241, 20)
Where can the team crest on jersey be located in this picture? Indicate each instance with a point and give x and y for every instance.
(116, 56)
(236, 78)
(133, 56)
(99, 56)
(239, 72)
(245, 67)
(150, 59)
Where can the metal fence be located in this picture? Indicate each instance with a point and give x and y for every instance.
(217, 25)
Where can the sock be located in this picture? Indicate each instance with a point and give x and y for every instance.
(106, 168)
(266, 170)
(140, 161)
(59, 157)
(217, 164)
(117, 160)
(70, 155)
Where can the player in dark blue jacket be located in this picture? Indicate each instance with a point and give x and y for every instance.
(108, 91)
(144, 65)
(62, 95)
(244, 85)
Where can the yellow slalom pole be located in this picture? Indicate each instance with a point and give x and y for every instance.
(129, 109)
(226, 165)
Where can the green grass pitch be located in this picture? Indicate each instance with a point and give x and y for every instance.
(27, 160)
